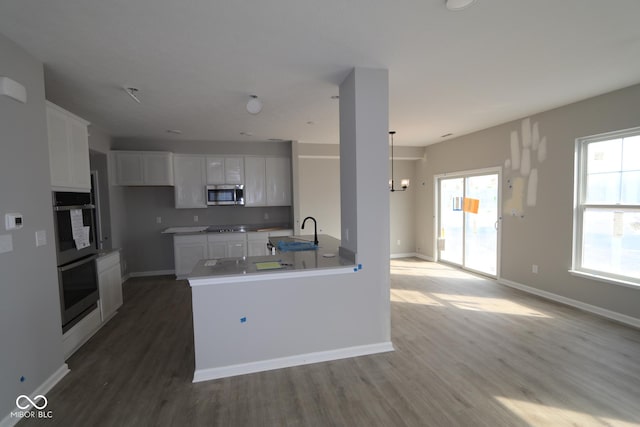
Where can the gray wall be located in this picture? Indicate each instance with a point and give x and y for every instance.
(402, 210)
(319, 180)
(541, 234)
(30, 329)
(319, 194)
(99, 140)
(134, 210)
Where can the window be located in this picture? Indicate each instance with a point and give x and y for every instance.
(607, 207)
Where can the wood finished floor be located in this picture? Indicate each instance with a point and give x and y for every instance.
(469, 352)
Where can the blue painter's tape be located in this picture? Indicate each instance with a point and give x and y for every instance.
(22, 379)
(359, 266)
(355, 269)
(243, 320)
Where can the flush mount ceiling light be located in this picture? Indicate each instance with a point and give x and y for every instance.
(458, 4)
(133, 93)
(404, 183)
(254, 105)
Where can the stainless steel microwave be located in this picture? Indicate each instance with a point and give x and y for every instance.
(225, 195)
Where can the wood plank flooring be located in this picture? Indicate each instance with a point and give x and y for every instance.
(469, 352)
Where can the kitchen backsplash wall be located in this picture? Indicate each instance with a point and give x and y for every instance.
(145, 249)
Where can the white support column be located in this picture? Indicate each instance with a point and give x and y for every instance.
(364, 172)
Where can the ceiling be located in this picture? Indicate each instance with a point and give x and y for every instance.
(196, 62)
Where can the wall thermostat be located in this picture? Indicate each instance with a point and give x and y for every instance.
(13, 221)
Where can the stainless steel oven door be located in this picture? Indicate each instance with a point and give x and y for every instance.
(78, 282)
(67, 249)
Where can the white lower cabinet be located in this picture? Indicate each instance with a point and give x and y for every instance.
(227, 245)
(110, 284)
(187, 251)
(257, 243)
(217, 249)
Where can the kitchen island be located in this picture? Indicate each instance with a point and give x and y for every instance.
(254, 314)
(299, 263)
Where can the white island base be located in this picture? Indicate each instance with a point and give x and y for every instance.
(261, 321)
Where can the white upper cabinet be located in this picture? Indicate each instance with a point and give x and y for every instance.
(143, 168)
(234, 170)
(278, 178)
(215, 170)
(68, 150)
(128, 168)
(158, 168)
(267, 181)
(225, 170)
(255, 184)
(190, 181)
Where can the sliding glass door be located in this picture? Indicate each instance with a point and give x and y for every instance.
(468, 220)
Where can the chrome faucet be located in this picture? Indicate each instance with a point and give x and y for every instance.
(315, 229)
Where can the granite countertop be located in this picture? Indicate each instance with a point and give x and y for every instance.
(290, 261)
(225, 228)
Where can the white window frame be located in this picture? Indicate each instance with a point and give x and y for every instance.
(579, 207)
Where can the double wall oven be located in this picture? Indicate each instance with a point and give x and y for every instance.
(75, 229)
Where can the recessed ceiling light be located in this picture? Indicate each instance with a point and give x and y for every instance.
(335, 97)
(446, 135)
(175, 131)
(246, 134)
(310, 122)
(276, 139)
(458, 4)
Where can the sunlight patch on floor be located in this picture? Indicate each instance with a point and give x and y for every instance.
(432, 270)
(412, 297)
(492, 305)
(537, 415)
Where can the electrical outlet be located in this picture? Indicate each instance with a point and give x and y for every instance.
(398, 242)
(534, 269)
(195, 218)
(266, 215)
(41, 238)
(158, 220)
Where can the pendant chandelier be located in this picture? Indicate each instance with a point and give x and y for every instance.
(404, 183)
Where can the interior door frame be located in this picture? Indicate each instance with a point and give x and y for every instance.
(436, 216)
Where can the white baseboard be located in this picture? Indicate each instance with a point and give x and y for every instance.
(425, 257)
(42, 389)
(289, 361)
(411, 255)
(622, 318)
(403, 255)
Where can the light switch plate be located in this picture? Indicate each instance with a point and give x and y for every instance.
(6, 243)
(13, 221)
